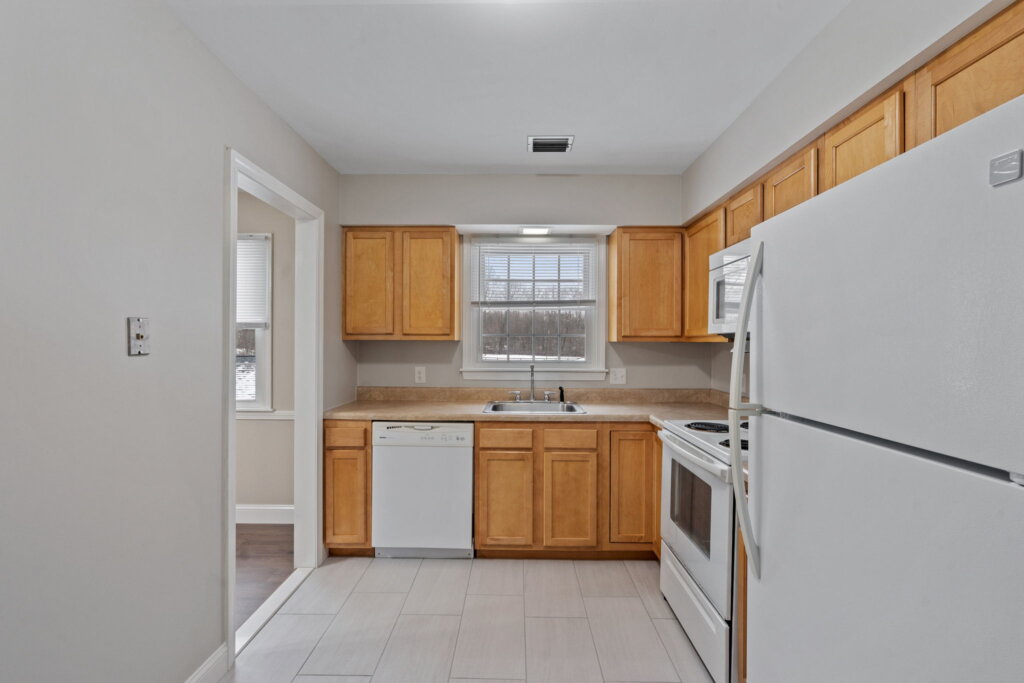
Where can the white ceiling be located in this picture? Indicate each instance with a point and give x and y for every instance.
(456, 86)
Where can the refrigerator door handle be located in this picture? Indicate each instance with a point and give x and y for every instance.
(738, 409)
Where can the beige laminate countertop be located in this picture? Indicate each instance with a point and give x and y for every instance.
(457, 411)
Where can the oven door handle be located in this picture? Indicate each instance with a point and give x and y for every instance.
(704, 462)
(738, 410)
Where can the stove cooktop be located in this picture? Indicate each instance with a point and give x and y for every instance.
(708, 435)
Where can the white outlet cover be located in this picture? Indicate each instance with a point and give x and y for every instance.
(420, 374)
(617, 376)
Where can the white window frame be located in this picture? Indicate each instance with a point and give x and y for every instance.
(597, 334)
(263, 402)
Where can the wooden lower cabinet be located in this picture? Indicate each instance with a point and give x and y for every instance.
(347, 477)
(566, 487)
(570, 499)
(561, 489)
(504, 498)
(631, 500)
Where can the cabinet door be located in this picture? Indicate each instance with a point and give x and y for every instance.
(505, 498)
(703, 238)
(977, 74)
(650, 287)
(369, 305)
(428, 282)
(792, 183)
(570, 499)
(742, 213)
(347, 497)
(871, 136)
(631, 501)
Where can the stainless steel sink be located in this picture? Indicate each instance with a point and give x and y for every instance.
(534, 407)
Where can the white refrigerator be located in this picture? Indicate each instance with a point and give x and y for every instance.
(886, 511)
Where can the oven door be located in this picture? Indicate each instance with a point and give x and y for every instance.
(725, 289)
(697, 517)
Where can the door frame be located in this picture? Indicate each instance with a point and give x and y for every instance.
(309, 551)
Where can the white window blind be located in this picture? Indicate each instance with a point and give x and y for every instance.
(535, 301)
(253, 281)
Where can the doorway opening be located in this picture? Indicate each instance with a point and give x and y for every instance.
(273, 396)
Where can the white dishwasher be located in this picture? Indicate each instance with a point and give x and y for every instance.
(423, 489)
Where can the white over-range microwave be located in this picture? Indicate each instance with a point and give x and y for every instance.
(727, 275)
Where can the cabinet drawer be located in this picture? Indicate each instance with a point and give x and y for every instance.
(582, 439)
(506, 438)
(345, 437)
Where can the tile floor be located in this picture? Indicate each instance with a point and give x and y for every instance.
(473, 621)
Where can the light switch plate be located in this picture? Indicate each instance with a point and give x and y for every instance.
(420, 375)
(138, 336)
(1004, 168)
(617, 376)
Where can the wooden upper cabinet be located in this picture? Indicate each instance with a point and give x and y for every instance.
(631, 501)
(742, 213)
(504, 498)
(428, 283)
(792, 183)
(645, 284)
(570, 498)
(401, 283)
(369, 301)
(979, 73)
(868, 138)
(703, 238)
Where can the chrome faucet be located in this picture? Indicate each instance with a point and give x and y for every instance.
(532, 396)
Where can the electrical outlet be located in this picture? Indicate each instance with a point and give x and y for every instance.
(617, 376)
(138, 336)
(420, 375)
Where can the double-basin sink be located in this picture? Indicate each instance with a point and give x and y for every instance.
(534, 407)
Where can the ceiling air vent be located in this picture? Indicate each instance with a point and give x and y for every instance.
(549, 143)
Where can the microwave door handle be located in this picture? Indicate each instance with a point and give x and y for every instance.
(738, 410)
(707, 464)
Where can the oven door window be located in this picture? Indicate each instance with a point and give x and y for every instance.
(690, 507)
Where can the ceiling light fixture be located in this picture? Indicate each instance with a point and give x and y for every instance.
(534, 231)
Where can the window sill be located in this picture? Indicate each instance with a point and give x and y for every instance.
(560, 374)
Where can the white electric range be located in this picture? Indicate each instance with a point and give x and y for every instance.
(698, 520)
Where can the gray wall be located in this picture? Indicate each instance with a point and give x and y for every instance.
(111, 478)
(454, 199)
(649, 365)
(265, 453)
(867, 48)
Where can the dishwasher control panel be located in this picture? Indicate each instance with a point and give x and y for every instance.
(458, 434)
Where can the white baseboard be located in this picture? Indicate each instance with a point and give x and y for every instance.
(213, 669)
(264, 514)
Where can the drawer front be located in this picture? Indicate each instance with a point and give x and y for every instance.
(345, 437)
(505, 438)
(577, 439)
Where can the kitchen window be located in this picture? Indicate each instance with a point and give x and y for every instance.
(534, 301)
(252, 321)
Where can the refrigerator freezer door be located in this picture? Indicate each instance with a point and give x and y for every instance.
(893, 304)
(880, 566)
